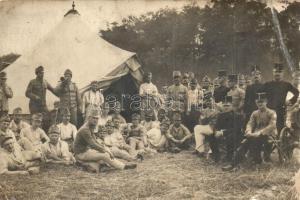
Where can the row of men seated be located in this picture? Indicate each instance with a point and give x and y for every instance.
(114, 141)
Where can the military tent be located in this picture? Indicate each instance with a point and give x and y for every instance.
(71, 45)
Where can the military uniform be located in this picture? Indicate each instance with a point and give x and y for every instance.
(177, 95)
(36, 92)
(249, 103)
(69, 98)
(237, 94)
(276, 93)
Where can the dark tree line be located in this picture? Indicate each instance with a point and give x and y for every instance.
(230, 34)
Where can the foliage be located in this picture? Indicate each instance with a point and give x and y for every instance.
(230, 34)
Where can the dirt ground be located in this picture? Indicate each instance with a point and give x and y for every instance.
(163, 176)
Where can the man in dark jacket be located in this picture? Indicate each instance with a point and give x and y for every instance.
(36, 92)
(221, 91)
(277, 91)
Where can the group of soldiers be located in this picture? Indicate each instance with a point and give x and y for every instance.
(227, 120)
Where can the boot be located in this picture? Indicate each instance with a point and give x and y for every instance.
(130, 166)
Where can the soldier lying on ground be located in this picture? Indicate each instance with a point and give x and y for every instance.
(13, 161)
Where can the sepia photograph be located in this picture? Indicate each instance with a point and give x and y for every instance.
(149, 99)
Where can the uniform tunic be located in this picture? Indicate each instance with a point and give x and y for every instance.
(238, 96)
(36, 137)
(11, 161)
(250, 97)
(91, 100)
(262, 121)
(220, 93)
(60, 150)
(16, 128)
(178, 96)
(36, 92)
(276, 93)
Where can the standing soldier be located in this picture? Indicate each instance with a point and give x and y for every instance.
(92, 99)
(277, 91)
(149, 94)
(36, 92)
(69, 96)
(5, 94)
(238, 95)
(251, 91)
(177, 94)
(221, 91)
(242, 81)
(186, 80)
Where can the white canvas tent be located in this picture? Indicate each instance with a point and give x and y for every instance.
(71, 45)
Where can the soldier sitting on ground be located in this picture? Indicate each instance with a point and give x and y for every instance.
(57, 151)
(33, 137)
(137, 138)
(178, 135)
(91, 153)
(115, 141)
(13, 161)
(17, 123)
(68, 131)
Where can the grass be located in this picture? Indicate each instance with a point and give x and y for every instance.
(164, 176)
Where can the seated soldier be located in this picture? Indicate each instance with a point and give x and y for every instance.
(33, 137)
(261, 126)
(91, 153)
(228, 130)
(115, 141)
(157, 136)
(178, 135)
(13, 161)
(57, 151)
(116, 110)
(67, 130)
(149, 122)
(137, 138)
(4, 129)
(204, 129)
(17, 124)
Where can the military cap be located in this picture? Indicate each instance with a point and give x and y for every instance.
(233, 77)
(3, 75)
(7, 138)
(176, 73)
(278, 67)
(5, 118)
(227, 99)
(148, 74)
(206, 79)
(65, 112)
(262, 96)
(135, 116)
(255, 68)
(94, 113)
(222, 73)
(191, 75)
(185, 75)
(68, 71)
(39, 69)
(17, 111)
(37, 117)
(194, 81)
(54, 130)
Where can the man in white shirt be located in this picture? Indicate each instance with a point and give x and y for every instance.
(17, 124)
(92, 99)
(34, 134)
(57, 151)
(68, 131)
(149, 94)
